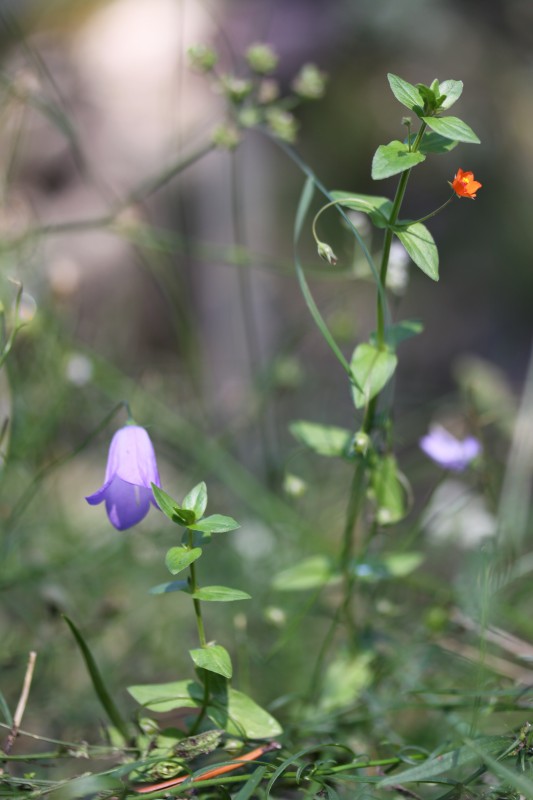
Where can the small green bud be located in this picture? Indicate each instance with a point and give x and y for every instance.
(282, 124)
(248, 117)
(268, 91)
(226, 136)
(361, 442)
(202, 58)
(293, 485)
(235, 89)
(261, 58)
(310, 82)
(407, 121)
(325, 252)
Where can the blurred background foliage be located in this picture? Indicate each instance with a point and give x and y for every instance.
(96, 99)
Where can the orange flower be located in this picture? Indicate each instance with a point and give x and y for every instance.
(464, 184)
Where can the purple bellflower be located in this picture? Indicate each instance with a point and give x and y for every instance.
(447, 451)
(130, 471)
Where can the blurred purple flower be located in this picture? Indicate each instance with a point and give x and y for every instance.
(449, 452)
(131, 469)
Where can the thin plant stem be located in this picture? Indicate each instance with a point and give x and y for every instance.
(21, 706)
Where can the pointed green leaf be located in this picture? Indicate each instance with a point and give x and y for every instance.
(196, 500)
(407, 94)
(173, 586)
(390, 159)
(453, 91)
(373, 368)
(421, 246)
(399, 565)
(107, 702)
(326, 440)
(171, 508)
(216, 523)
(213, 658)
(435, 143)
(168, 696)
(219, 594)
(308, 574)
(388, 491)
(248, 790)
(377, 208)
(452, 128)
(178, 558)
(395, 334)
(241, 716)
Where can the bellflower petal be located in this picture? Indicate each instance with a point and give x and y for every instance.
(130, 471)
(449, 452)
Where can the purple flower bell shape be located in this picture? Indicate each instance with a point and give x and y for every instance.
(130, 471)
(449, 452)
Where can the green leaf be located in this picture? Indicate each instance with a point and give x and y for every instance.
(219, 594)
(196, 500)
(399, 565)
(377, 208)
(453, 91)
(241, 716)
(86, 786)
(452, 128)
(434, 143)
(373, 368)
(178, 558)
(347, 676)
(171, 508)
(396, 334)
(421, 246)
(326, 440)
(213, 658)
(388, 491)
(308, 574)
(444, 762)
(248, 790)
(407, 94)
(173, 586)
(216, 523)
(168, 696)
(390, 159)
(99, 686)
(4, 708)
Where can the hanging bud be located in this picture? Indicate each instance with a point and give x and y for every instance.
(201, 58)
(261, 58)
(310, 82)
(325, 252)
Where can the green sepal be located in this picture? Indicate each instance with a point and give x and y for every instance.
(396, 334)
(213, 658)
(390, 159)
(421, 246)
(407, 94)
(171, 508)
(219, 594)
(196, 500)
(452, 128)
(326, 440)
(388, 490)
(216, 523)
(173, 586)
(377, 208)
(373, 368)
(308, 574)
(179, 558)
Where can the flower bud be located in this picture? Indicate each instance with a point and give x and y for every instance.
(235, 89)
(202, 58)
(310, 82)
(261, 58)
(325, 252)
(226, 136)
(282, 124)
(361, 442)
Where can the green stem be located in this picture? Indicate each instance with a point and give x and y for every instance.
(400, 192)
(197, 604)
